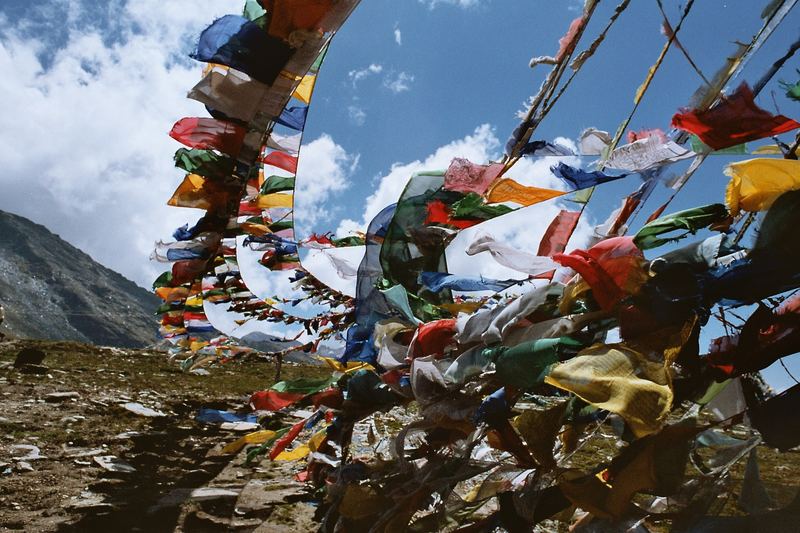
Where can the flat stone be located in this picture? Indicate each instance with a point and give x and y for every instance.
(89, 501)
(141, 410)
(82, 452)
(26, 452)
(24, 466)
(214, 493)
(126, 435)
(239, 426)
(55, 397)
(114, 464)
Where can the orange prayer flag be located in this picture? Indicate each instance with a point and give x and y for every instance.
(508, 190)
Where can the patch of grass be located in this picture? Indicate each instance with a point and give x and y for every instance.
(138, 370)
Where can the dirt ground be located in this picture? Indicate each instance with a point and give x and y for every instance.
(61, 485)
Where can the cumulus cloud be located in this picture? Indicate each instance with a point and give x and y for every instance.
(398, 82)
(398, 37)
(358, 75)
(324, 170)
(86, 116)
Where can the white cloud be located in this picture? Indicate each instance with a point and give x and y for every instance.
(86, 149)
(460, 3)
(398, 37)
(398, 83)
(358, 75)
(357, 115)
(324, 170)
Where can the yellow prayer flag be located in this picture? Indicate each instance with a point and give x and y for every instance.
(621, 380)
(198, 345)
(306, 87)
(302, 451)
(257, 437)
(756, 183)
(768, 149)
(645, 84)
(317, 439)
(294, 455)
(266, 201)
(191, 193)
(195, 300)
(463, 307)
(251, 228)
(348, 367)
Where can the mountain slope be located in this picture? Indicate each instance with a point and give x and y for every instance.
(52, 290)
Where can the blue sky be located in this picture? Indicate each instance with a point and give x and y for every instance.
(92, 88)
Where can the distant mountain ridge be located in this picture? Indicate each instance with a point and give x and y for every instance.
(52, 290)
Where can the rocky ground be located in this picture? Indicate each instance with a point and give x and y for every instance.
(103, 439)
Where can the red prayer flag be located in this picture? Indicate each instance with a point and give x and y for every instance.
(439, 213)
(290, 15)
(558, 233)
(608, 267)
(433, 338)
(270, 400)
(628, 207)
(248, 209)
(286, 440)
(332, 398)
(735, 120)
(172, 320)
(656, 214)
(209, 134)
(187, 270)
(281, 160)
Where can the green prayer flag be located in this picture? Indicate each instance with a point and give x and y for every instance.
(526, 365)
(164, 280)
(277, 184)
(204, 163)
(472, 206)
(253, 10)
(792, 90)
(318, 62)
(700, 147)
(582, 196)
(281, 225)
(304, 385)
(348, 241)
(689, 220)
